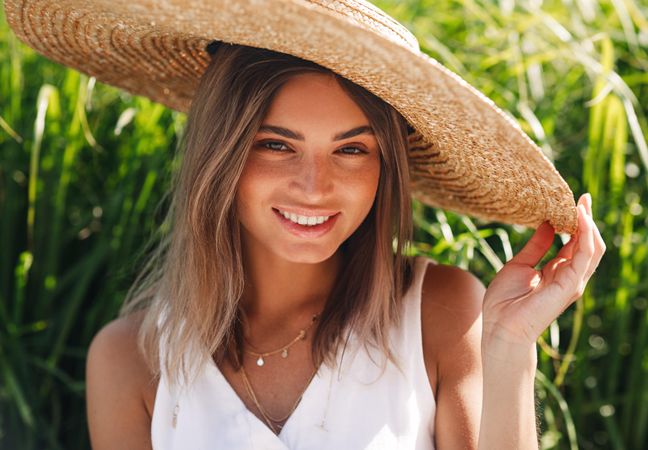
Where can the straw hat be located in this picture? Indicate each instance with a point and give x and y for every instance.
(466, 154)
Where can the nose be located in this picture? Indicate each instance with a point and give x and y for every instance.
(314, 177)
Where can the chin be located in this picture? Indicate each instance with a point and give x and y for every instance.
(301, 255)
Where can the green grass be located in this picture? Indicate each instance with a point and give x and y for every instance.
(83, 170)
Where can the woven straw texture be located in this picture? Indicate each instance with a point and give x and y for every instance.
(466, 154)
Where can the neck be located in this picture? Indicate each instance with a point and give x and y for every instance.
(284, 295)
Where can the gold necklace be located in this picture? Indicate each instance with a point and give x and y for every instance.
(266, 416)
(283, 349)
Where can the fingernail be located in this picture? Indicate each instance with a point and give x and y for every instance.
(588, 197)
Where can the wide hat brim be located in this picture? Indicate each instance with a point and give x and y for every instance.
(466, 154)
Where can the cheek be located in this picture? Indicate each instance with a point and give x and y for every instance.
(249, 189)
(371, 176)
(361, 186)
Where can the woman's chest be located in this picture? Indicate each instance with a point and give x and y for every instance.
(272, 391)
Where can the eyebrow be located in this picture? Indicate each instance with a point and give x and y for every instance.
(290, 134)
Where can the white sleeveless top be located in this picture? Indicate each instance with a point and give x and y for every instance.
(350, 407)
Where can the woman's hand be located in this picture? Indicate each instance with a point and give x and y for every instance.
(521, 302)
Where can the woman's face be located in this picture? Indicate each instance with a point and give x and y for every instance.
(300, 164)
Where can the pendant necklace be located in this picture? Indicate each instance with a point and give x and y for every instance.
(283, 349)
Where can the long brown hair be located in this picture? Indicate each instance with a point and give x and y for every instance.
(191, 285)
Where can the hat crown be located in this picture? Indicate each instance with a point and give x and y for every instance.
(370, 16)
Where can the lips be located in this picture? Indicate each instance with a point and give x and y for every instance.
(306, 212)
(305, 231)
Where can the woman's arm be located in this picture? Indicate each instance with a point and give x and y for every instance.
(520, 303)
(473, 389)
(116, 376)
(484, 345)
(451, 316)
(508, 419)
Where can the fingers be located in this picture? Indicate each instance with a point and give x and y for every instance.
(587, 249)
(599, 244)
(537, 247)
(586, 200)
(567, 250)
(584, 249)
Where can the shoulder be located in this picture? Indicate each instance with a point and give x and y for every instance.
(120, 388)
(451, 307)
(449, 292)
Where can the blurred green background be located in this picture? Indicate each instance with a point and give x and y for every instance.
(84, 168)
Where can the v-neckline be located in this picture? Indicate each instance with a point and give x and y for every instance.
(257, 421)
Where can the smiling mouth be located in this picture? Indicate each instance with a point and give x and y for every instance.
(305, 220)
(305, 230)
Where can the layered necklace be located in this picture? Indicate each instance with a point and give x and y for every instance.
(283, 349)
(276, 423)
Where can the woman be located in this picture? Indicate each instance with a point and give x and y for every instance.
(293, 272)
(284, 308)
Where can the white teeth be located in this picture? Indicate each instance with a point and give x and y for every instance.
(304, 220)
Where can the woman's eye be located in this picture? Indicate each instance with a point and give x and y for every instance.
(358, 150)
(268, 144)
(277, 147)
